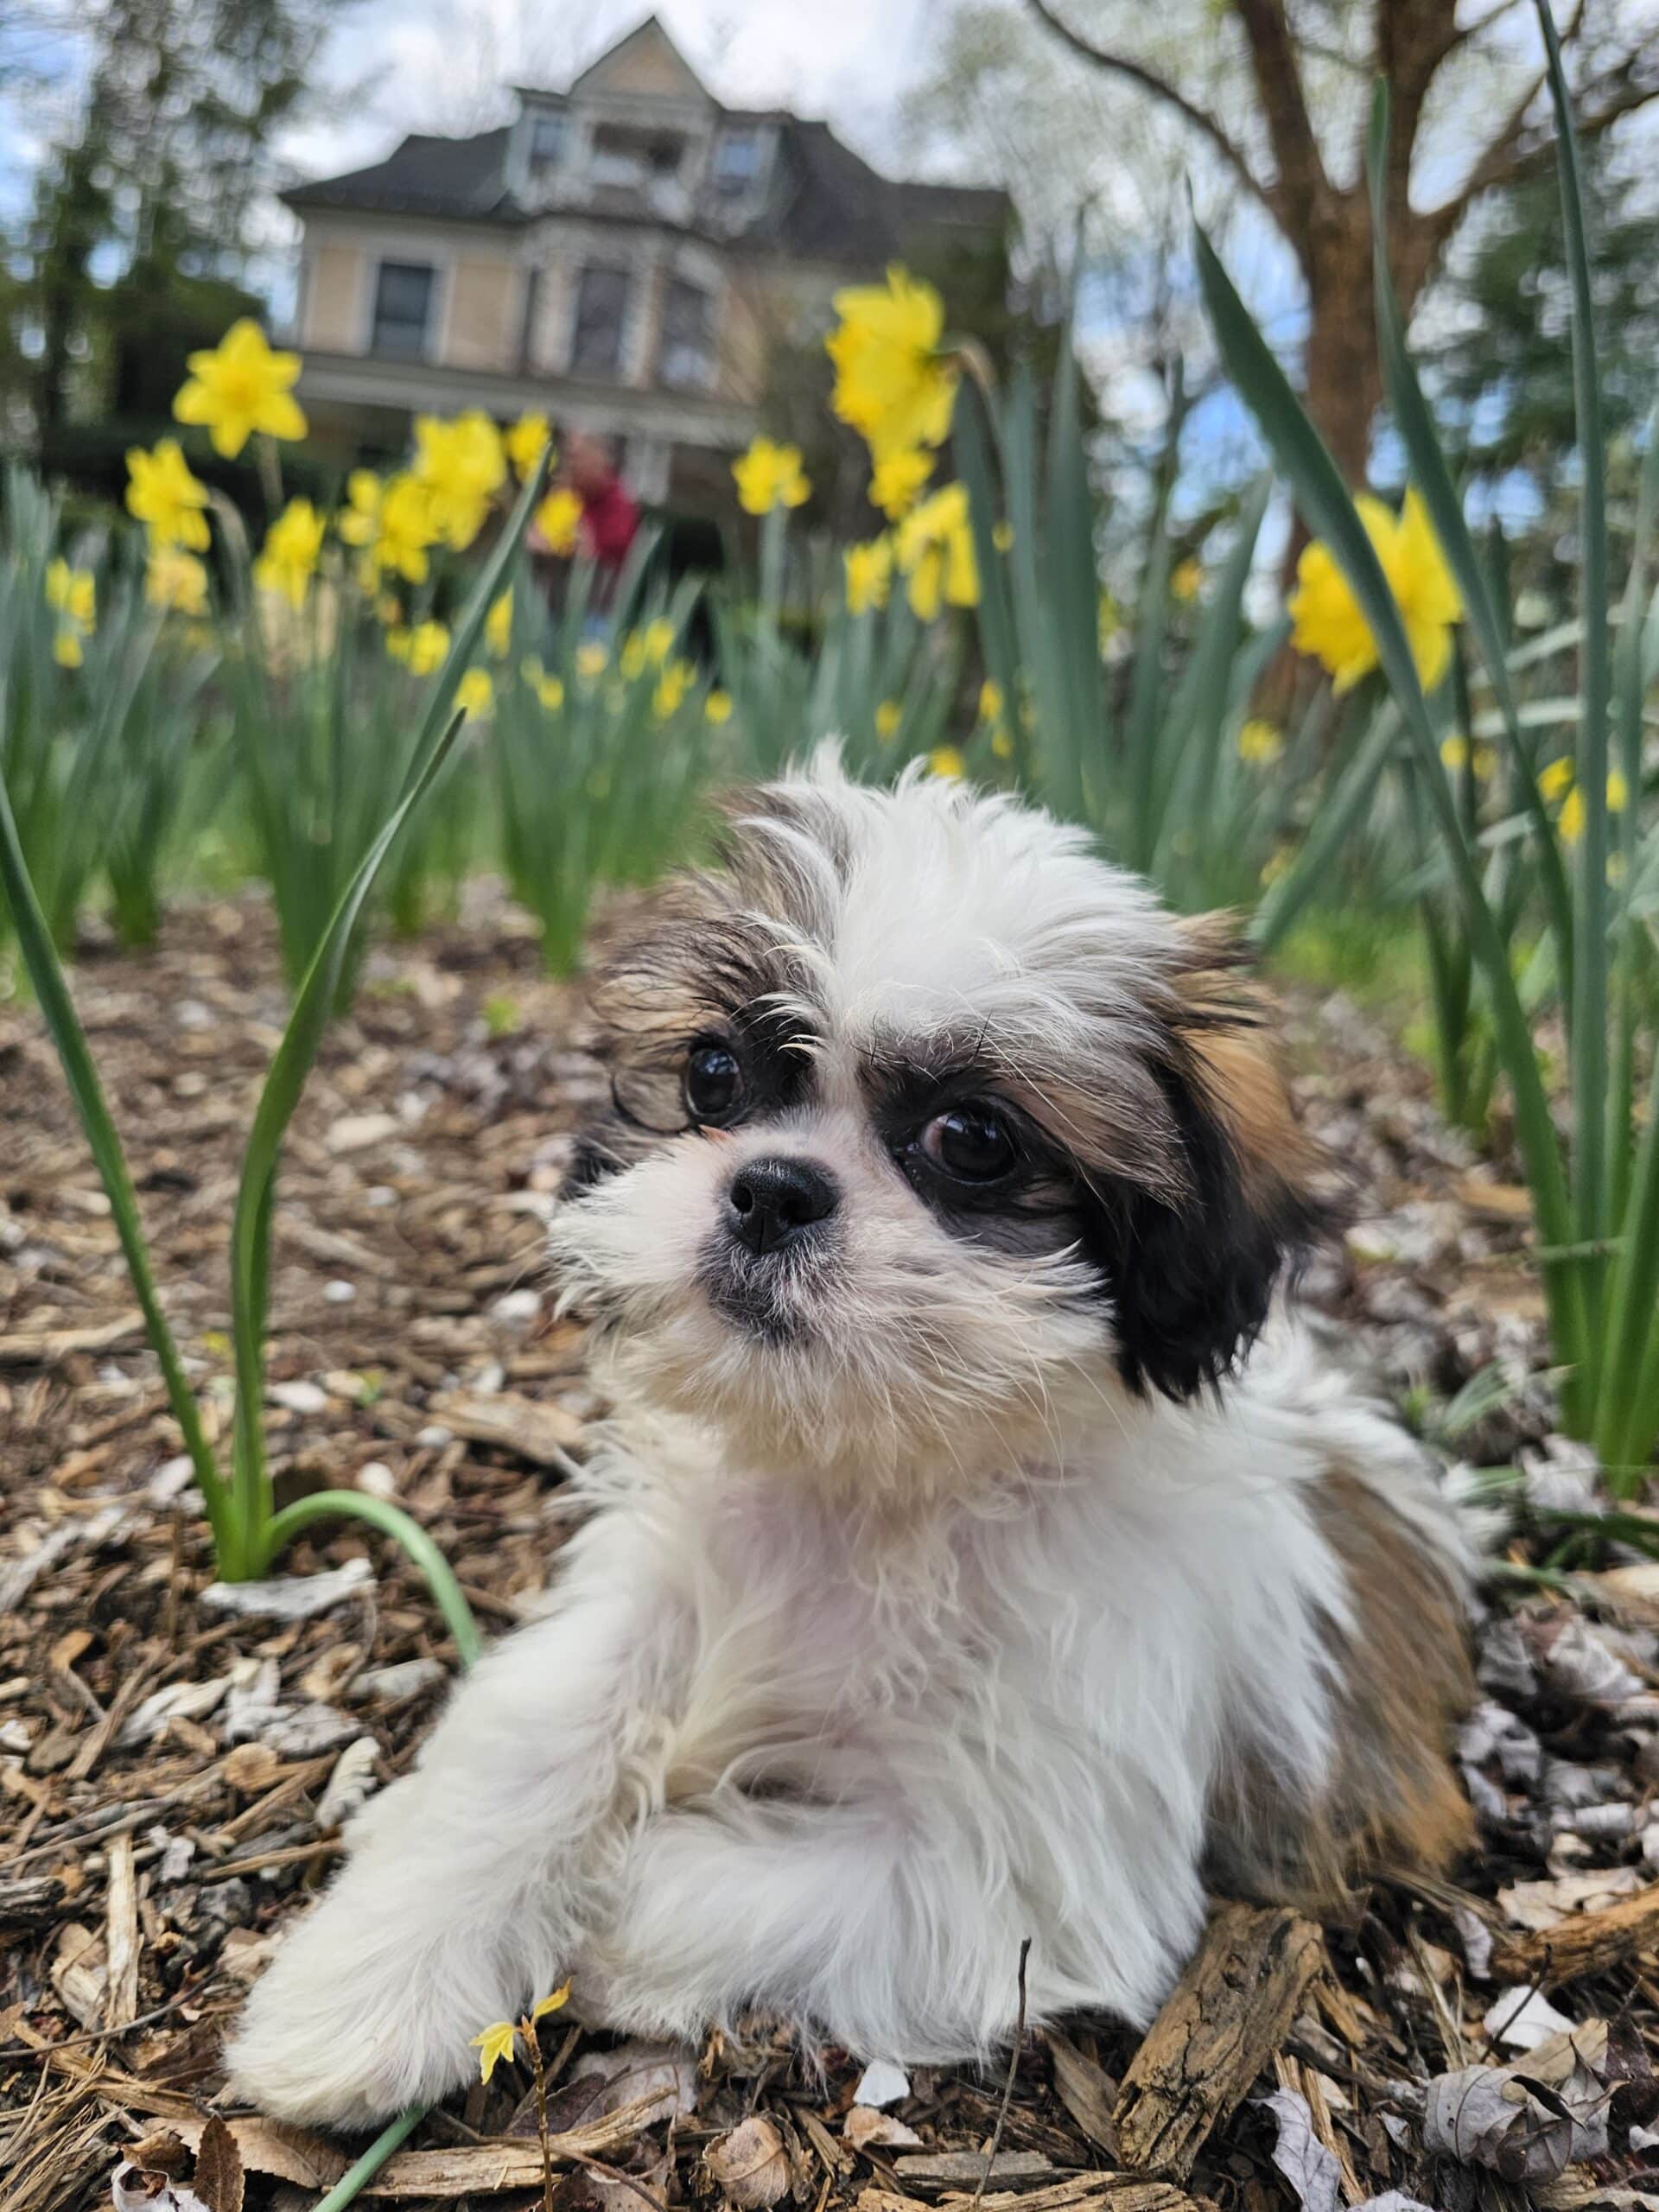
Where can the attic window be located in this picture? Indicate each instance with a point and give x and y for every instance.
(546, 142)
(737, 157)
(629, 160)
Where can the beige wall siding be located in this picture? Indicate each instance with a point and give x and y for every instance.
(333, 294)
(481, 326)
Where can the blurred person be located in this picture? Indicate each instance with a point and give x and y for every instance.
(610, 517)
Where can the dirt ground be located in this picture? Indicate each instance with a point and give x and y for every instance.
(173, 1772)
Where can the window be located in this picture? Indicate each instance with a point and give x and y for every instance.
(629, 160)
(403, 309)
(737, 157)
(546, 144)
(602, 314)
(684, 360)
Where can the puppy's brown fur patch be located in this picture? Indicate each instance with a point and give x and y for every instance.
(1404, 1679)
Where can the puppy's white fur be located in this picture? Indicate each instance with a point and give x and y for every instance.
(894, 1640)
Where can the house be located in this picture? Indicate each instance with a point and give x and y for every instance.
(621, 256)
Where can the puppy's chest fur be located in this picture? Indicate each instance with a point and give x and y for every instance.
(1226, 1656)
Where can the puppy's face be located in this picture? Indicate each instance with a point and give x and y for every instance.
(927, 1129)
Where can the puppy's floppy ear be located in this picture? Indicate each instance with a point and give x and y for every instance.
(1192, 1267)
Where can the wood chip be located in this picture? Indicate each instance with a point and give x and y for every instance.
(45, 1347)
(1588, 1943)
(1086, 2090)
(121, 1940)
(1230, 2013)
(542, 1433)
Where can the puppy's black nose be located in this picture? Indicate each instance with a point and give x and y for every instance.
(773, 1203)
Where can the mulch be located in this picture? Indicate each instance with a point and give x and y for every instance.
(173, 1772)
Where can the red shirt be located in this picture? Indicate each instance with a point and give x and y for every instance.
(609, 521)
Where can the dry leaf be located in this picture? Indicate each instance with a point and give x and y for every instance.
(219, 2180)
(1541, 1906)
(864, 2125)
(750, 2166)
(1530, 2119)
(882, 2084)
(1306, 2163)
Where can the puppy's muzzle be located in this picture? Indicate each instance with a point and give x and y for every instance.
(779, 1204)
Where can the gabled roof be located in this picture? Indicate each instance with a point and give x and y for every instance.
(459, 178)
(648, 45)
(829, 203)
(824, 201)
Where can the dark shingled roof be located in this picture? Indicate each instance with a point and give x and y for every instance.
(457, 177)
(826, 201)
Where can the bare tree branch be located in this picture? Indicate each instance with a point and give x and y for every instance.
(1516, 154)
(1302, 181)
(1138, 72)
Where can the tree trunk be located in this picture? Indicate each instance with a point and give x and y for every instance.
(1343, 378)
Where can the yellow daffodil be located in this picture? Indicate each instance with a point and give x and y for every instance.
(945, 762)
(890, 384)
(717, 707)
(869, 572)
(495, 2043)
(359, 520)
(1325, 616)
(897, 479)
(72, 593)
(239, 387)
(990, 701)
(672, 685)
(1001, 744)
(1454, 752)
(387, 612)
(1260, 743)
(163, 495)
(1002, 536)
(658, 638)
(591, 659)
(66, 648)
(399, 644)
(177, 580)
(550, 692)
(292, 549)
(769, 476)
(934, 549)
(460, 464)
(405, 529)
(497, 625)
(631, 661)
(559, 518)
(475, 693)
(526, 442)
(888, 716)
(1187, 580)
(428, 644)
(1558, 780)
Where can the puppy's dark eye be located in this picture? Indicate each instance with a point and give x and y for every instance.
(713, 1084)
(971, 1143)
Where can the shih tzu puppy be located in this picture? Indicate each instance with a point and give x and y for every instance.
(972, 1557)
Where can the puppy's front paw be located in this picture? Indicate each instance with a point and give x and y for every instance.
(341, 2033)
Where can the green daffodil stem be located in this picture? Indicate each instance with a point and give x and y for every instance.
(390, 2137)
